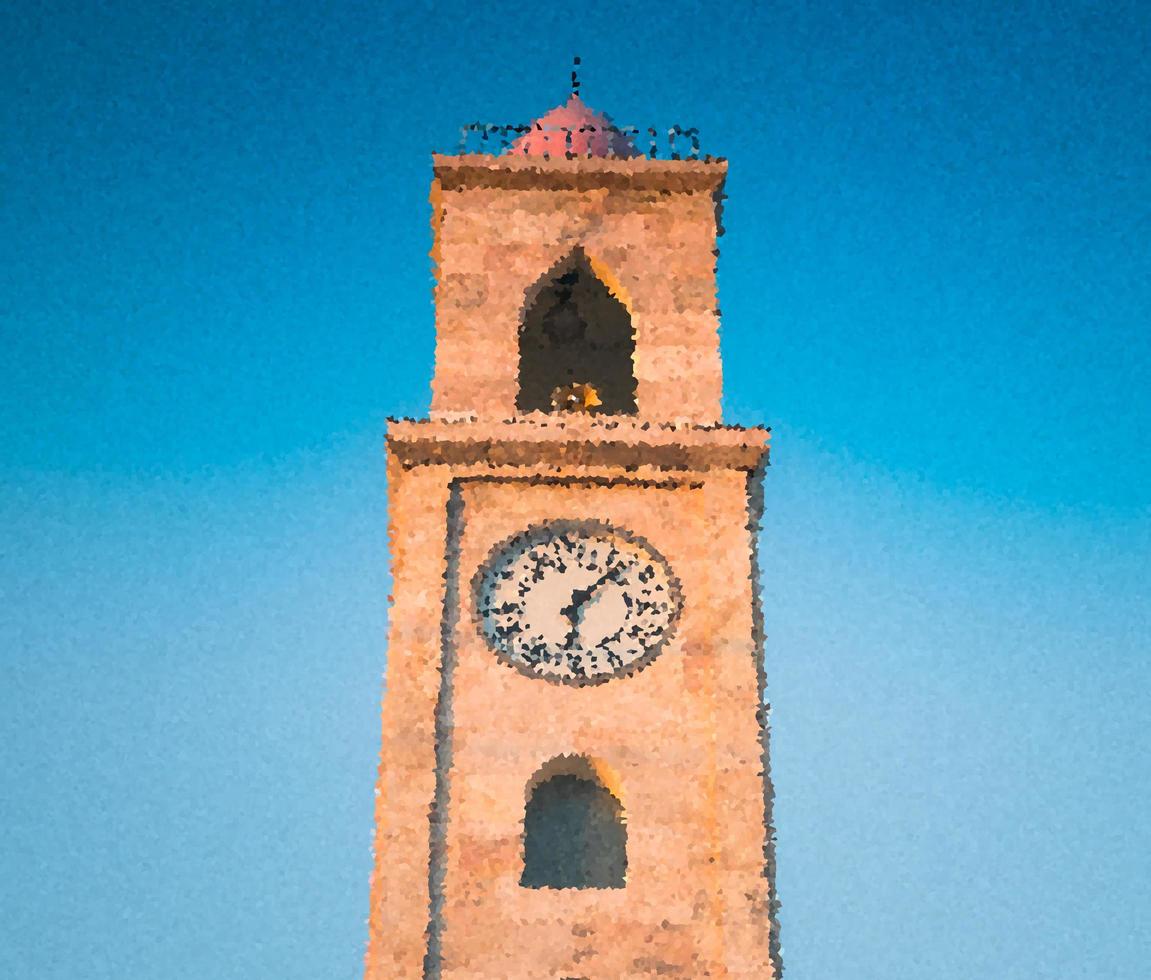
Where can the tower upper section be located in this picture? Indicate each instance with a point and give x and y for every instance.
(575, 272)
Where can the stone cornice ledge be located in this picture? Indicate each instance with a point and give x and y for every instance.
(577, 441)
(536, 172)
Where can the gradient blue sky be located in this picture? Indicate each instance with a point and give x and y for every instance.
(215, 286)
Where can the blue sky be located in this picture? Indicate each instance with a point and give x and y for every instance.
(215, 287)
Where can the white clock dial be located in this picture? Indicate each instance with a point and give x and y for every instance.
(577, 602)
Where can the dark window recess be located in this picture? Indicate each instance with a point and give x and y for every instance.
(574, 836)
(576, 333)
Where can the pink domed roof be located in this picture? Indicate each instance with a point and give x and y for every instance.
(573, 128)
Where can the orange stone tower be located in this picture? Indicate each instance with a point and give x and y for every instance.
(574, 779)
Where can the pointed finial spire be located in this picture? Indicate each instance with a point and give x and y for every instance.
(575, 77)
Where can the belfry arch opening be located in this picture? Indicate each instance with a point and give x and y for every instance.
(575, 834)
(577, 345)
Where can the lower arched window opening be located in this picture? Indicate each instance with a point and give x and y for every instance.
(574, 835)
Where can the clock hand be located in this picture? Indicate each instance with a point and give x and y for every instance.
(581, 596)
(611, 573)
(573, 629)
(570, 612)
(584, 597)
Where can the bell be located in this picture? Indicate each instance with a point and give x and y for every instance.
(581, 397)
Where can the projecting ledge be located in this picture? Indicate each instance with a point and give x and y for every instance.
(577, 441)
(539, 173)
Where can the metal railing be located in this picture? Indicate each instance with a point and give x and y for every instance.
(681, 143)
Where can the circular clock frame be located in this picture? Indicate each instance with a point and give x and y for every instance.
(516, 545)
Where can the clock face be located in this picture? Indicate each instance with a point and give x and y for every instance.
(576, 602)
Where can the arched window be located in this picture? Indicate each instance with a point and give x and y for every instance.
(576, 335)
(574, 833)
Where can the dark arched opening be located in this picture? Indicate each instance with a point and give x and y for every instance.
(576, 334)
(574, 836)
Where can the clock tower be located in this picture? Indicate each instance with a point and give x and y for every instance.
(574, 779)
